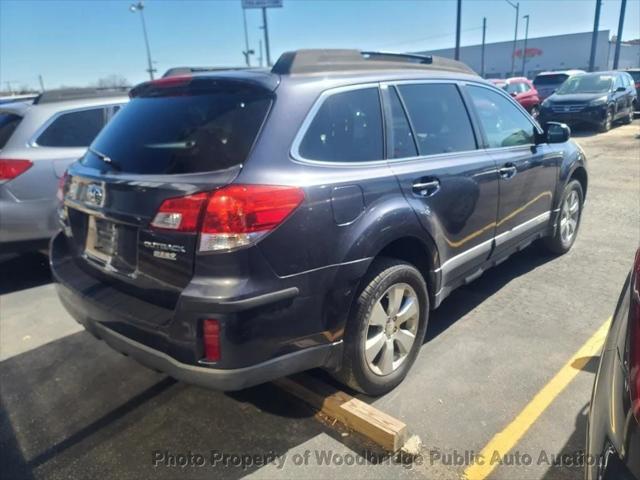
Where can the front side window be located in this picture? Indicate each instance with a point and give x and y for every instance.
(73, 129)
(439, 118)
(503, 123)
(346, 128)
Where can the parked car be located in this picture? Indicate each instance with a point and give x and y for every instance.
(613, 430)
(38, 141)
(229, 228)
(523, 90)
(635, 75)
(548, 82)
(597, 99)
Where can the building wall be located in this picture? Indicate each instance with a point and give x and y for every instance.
(557, 52)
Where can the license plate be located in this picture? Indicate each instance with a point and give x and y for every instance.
(102, 239)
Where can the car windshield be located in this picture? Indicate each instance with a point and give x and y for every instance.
(586, 84)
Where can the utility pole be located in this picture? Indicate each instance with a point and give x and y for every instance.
(524, 50)
(458, 19)
(260, 57)
(594, 36)
(616, 56)
(246, 51)
(139, 7)
(484, 37)
(266, 35)
(41, 82)
(515, 38)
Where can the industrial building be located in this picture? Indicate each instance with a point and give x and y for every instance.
(556, 52)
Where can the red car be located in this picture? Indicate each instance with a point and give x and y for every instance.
(523, 91)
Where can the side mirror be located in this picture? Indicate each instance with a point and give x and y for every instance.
(557, 132)
(514, 94)
(621, 89)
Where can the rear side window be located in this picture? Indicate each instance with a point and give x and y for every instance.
(8, 123)
(346, 128)
(503, 123)
(557, 79)
(73, 129)
(439, 118)
(184, 133)
(401, 144)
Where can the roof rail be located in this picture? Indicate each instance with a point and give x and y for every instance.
(64, 94)
(335, 60)
(175, 71)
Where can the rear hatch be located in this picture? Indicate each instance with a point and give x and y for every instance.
(177, 137)
(547, 84)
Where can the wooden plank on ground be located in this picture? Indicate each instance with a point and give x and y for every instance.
(379, 427)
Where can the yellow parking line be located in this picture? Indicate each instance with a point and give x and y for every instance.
(504, 441)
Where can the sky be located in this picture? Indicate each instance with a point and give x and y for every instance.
(77, 42)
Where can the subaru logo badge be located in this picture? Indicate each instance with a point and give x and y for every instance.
(95, 195)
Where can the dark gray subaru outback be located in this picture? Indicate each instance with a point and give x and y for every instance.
(232, 227)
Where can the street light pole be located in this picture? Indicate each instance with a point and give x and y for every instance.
(616, 55)
(515, 38)
(266, 36)
(139, 7)
(484, 37)
(458, 19)
(594, 36)
(524, 50)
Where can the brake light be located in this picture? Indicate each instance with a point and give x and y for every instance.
(169, 82)
(232, 216)
(211, 337)
(10, 168)
(634, 338)
(61, 183)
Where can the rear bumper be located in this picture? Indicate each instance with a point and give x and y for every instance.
(23, 222)
(262, 337)
(226, 380)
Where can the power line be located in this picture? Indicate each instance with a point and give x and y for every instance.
(442, 35)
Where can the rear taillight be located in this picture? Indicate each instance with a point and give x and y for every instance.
(181, 214)
(634, 338)
(211, 339)
(230, 217)
(10, 168)
(61, 184)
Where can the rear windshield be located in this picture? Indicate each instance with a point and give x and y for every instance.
(635, 75)
(8, 123)
(556, 79)
(182, 134)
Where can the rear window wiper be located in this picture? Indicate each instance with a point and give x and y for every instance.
(105, 158)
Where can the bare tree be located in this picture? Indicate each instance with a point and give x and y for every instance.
(112, 81)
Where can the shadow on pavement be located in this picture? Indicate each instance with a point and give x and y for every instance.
(74, 405)
(466, 298)
(20, 272)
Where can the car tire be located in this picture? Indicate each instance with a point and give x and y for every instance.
(568, 221)
(607, 123)
(377, 354)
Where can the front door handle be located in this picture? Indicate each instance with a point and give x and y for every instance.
(426, 188)
(508, 171)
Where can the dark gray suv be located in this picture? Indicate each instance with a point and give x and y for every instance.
(232, 227)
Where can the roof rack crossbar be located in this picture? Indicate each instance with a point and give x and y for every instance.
(336, 60)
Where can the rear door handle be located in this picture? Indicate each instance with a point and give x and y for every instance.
(426, 188)
(508, 171)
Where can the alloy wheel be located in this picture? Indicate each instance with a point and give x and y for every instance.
(569, 216)
(391, 329)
